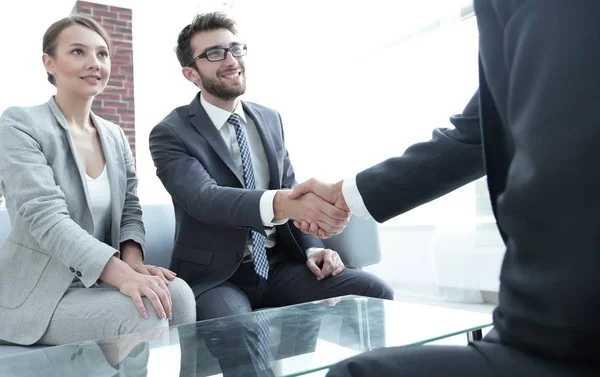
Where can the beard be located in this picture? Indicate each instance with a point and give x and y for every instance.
(222, 89)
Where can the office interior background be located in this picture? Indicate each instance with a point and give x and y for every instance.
(356, 82)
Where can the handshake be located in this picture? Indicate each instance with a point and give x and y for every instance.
(317, 208)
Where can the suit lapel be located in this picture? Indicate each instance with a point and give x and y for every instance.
(207, 129)
(63, 123)
(111, 157)
(268, 145)
(117, 182)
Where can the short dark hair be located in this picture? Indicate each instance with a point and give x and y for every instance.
(201, 22)
(51, 35)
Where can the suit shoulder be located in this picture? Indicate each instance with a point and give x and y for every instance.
(25, 117)
(261, 108)
(26, 112)
(175, 119)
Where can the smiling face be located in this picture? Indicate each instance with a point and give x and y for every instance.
(79, 62)
(225, 79)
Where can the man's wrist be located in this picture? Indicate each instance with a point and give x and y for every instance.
(267, 209)
(280, 205)
(353, 198)
(340, 195)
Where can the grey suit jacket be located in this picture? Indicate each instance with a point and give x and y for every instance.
(50, 241)
(213, 210)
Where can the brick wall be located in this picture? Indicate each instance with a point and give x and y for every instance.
(116, 102)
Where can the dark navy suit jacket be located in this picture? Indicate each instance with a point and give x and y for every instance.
(214, 212)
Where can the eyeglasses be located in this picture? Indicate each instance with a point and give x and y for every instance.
(218, 54)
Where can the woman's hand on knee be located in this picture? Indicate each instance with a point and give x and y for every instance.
(154, 289)
(147, 269)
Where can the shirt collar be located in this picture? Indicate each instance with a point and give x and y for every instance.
(219, 116)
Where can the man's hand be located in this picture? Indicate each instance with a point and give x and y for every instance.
(332, 193)
(325, 263)
(312, 209)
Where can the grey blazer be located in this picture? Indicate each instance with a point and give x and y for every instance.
(213, 211)
(50, 241)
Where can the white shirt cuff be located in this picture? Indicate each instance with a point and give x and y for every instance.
(353, 198)
(311, 250)
(266, 209)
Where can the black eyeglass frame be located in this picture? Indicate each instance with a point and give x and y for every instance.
(204, 55)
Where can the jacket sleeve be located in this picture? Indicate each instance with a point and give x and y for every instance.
(428, 170)
(190, 185)
(132, 224)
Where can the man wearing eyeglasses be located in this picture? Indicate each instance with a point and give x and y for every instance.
(225, 164)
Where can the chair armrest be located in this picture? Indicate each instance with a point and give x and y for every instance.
(358, 245)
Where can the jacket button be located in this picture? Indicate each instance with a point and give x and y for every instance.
(239, 256)
(73, 356)
(72, 269)
(79, 351)
(78, 274)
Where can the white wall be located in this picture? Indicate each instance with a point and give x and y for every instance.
(337, 90)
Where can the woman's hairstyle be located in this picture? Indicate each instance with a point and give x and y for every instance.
(51, 35)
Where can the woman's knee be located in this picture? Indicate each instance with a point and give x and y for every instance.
(184, 302)
(127, 320)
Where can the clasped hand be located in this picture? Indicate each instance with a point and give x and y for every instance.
(329, 213)
(325, 263)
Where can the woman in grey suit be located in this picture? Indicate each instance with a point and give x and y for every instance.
(71, 268)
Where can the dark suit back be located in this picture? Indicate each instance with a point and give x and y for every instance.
(213, 212)
(546, 119)
(540, 120)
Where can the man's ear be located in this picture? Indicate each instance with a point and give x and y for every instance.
(191, 75)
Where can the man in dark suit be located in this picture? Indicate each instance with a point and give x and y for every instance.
(539, 111)
(225, 164)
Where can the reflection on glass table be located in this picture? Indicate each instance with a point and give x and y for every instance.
(288, 341)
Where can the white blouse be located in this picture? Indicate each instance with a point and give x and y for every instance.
(100, 198)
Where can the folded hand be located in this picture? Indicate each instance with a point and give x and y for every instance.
(325, 263)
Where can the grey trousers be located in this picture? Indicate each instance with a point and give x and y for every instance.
(87, 314)
(102, 312)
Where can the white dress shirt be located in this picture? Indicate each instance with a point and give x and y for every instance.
(353, 198)
(260, 165)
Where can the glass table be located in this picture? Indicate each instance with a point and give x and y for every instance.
(289, 341)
